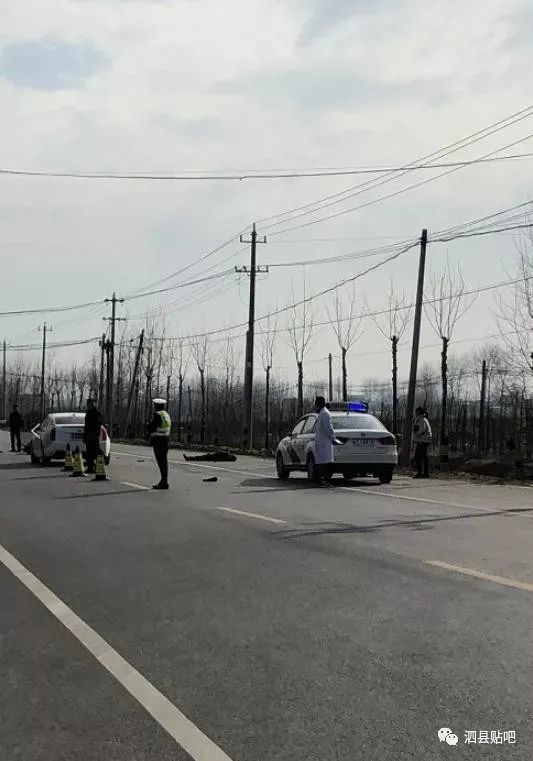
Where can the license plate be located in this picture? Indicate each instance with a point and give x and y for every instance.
(363, 442)
(76, 436)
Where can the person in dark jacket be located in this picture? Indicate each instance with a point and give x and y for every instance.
(91, 434)
(159, 432)
(15, 425)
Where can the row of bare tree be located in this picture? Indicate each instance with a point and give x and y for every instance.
(204, 388)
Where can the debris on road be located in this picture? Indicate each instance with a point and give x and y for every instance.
(211, 480)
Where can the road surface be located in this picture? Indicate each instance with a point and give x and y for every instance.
(254, 620)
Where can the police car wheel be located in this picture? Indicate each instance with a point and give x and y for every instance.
(385, 476)
(283, 472)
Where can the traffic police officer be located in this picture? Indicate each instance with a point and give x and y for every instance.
(159, 430)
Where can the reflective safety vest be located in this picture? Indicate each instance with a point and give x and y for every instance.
(164, 428)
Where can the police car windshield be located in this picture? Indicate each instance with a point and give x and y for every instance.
(69, 420)
(355, 421)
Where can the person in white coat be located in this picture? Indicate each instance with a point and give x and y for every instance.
(324, 441)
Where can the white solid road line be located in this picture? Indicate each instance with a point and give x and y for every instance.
(178, 726)
(135, 486)
(266, 518)
(480, 575)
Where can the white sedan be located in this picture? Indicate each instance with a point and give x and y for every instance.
(50, 438)
(366, 446)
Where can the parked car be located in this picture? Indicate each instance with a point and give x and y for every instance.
(49, 439)
(366, 448)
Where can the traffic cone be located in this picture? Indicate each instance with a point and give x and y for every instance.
(99, 473)
(78, 464)
(69, 462)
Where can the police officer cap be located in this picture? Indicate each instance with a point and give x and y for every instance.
(160, 402)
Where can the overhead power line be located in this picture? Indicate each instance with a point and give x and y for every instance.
(360, 316)
(255, 174)
(374, 201)
(438, 155)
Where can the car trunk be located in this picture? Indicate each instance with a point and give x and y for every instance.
(362, 443)
(70, 434)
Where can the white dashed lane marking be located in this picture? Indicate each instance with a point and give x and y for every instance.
(480, 575)
(135, 486)
(245, 514)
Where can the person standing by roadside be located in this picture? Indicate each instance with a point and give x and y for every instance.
(324, 441)
(159, 431)
(91, 434)
(422, 437)
(15, 426)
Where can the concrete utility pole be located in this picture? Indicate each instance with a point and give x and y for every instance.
(408, 425)
(4, 411)
(134, 383)
(481, 442)
(46, 329)
(330, 370)
(102, 345)
(247, 432)
(111, 357)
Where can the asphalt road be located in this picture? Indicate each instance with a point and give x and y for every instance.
(254, 620)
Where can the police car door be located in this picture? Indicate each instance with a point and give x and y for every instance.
(293, 448)
(306, 437)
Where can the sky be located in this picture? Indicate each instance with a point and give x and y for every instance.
(161, 86)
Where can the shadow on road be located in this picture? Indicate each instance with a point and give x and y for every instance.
(417, 524)
(22, 465)
(102, 494)
(274, 484)
(36, 478)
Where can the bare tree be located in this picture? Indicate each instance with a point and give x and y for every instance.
(182, 362)
(199, 346)
(347, 328)
(392, 325)
(515, 313)
(268, 340)
(448, 303)
(300, 327)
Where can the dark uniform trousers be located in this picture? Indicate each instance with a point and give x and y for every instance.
(15, 436)
(160, 446)
(92, 450)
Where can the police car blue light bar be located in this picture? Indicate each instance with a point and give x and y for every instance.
(354, 406)
(357, 406)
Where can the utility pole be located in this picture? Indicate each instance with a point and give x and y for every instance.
(408, 425)
(45, 330)
(111, 357)
(102, 345)
(247, 432)
(134, 383)
(330, 369)
(481, 443)
(4, 373)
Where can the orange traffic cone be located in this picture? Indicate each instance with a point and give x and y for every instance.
(69, 461)
(78, 469)
(99, 473)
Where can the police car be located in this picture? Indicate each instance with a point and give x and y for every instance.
(366, 446)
